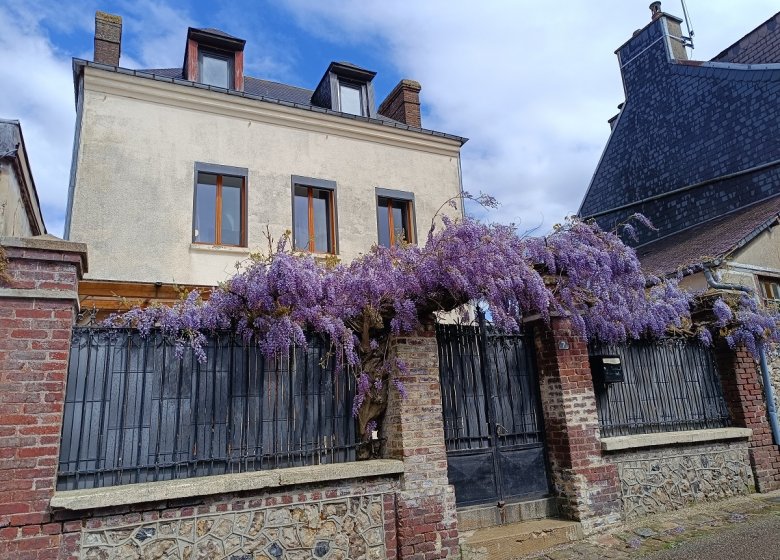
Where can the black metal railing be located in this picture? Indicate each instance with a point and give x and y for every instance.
(488, 384)
(135, 412)
(668, 386)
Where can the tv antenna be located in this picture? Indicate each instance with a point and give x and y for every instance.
(687, 41)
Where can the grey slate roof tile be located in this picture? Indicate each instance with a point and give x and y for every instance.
(694, 141)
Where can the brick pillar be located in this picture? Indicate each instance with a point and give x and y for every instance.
(414, 432)
(587, 485)
(37, 310)
(741, 380)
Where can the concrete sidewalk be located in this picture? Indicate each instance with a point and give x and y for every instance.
(712, 531)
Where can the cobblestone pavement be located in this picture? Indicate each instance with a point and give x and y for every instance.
(658, 537)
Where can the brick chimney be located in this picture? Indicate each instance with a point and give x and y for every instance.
(403, 103)
(108, 38)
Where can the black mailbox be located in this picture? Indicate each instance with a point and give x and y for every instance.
(607, 368)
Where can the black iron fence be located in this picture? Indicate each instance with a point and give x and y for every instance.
(134, 412)
(668, 386)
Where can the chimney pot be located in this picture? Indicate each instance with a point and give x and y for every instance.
(108, 38)
(655, 11)
(403, 103)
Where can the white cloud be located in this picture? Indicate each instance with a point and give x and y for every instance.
(531, 84)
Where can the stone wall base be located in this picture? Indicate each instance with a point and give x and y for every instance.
(662, 479)
(352, 519)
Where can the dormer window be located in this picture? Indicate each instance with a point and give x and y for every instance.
(346, 88)
(215, 69)
(351, 98)
(214, 58)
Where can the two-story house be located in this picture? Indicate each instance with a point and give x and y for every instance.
(696, 149)
(179, 172)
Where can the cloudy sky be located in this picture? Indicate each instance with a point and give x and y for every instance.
(531, 83)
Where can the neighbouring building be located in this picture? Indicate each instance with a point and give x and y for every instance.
(696, 149)
(20, 212)
(177, 172)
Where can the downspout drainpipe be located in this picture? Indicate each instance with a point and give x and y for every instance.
(769, 392)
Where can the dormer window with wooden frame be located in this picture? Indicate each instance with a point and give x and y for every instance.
(214, 58)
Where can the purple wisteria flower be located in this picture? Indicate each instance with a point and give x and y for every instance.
(578, 270)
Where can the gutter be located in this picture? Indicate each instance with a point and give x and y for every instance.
(769, 392)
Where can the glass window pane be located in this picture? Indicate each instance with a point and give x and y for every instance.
(301, 226)
(231, 212)
(400, 225)
(205, 226)
(321, 207)
(384, 223)
(351, 101)
(214, 71)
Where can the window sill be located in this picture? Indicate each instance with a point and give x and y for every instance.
(144, 492)
(673, 438)
(205, 248)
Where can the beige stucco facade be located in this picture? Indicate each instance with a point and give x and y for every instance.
(758, 258)
(13, 215)
(139, 141)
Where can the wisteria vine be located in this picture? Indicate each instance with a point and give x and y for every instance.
(578, 270)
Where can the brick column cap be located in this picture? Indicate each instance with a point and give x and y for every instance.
(49, 243)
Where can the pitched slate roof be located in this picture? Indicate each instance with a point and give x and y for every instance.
(252, 86)
(693, 141)
(714, 239)
(760, 46)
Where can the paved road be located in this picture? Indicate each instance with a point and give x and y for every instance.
(757, 539)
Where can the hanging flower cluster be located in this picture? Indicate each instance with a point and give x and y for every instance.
(578, 270)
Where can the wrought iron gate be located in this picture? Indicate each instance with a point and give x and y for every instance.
(493, 424)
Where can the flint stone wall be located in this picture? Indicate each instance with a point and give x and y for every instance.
(655, 480)
(353, 520)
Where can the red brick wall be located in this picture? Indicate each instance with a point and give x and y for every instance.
(741, 380)
(414, 428)
(34, 342)
(588, 486)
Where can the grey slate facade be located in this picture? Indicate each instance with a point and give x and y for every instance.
(693, 140)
